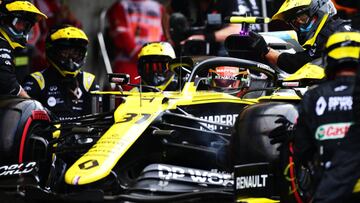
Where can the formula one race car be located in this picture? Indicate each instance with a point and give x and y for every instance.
(157, 146)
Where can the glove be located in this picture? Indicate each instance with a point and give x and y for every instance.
(282, 133)
(258, 43)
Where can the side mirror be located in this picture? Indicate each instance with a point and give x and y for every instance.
(119, 78)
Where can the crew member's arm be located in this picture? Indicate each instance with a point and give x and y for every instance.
(8, 82)
(23, 93)
(272, 56)
(288, 62)
(219, 35)
(31, 86)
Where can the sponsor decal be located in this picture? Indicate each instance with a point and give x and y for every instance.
(77, 92)
(253, 181)
(77, 108)
(51, 101)
(17, 169)
(291, 84)
(53, 88)
(197, 176)
(5, 56)
(89, 164)
(340, 88)
(263, 66)
(227, 119)
(320, 106)
(40, 115)
(332, 131)
(340, 103)
(5, 50)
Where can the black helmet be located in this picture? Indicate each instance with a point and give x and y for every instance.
(66, 49)
(305, 16)
(16, 21)
(153, 64)
(342, 50)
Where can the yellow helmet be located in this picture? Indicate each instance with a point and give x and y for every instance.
(305, 16)
(16, 20)
(341, 50)
(153, 63)
(66, 49)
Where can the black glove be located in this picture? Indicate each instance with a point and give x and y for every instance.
(258, 43)
(282, 133)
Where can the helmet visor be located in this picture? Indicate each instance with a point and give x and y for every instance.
(227, 77)
(19, 27)
(76, 54)
(300, 21)
(68, 58)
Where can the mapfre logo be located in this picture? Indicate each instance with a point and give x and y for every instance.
(332, 131)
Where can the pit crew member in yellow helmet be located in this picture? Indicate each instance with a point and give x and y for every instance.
(313, 22)
(16, 20)
(325, 111)
(340, 182)
(153, 67)
(63, 87)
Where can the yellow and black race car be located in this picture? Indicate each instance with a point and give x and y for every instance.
(158, 146)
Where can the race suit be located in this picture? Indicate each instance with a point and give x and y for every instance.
(132, 23)
(338, 181)
(313, 50)
(8, 82)
(324, 118)
(65, 98)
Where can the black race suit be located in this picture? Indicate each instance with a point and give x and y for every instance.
(65, 98)
(292, 62)
(8, 82)
(338, 181)
(324, 118)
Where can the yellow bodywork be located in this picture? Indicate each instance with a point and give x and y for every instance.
(257, 200)
(132, 118)
(308, 71)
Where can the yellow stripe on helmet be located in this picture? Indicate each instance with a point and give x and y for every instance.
(69, 33)
(343, 36)
(289, 5)
(24, 6)
(345, 52)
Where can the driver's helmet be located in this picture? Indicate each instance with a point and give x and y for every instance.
(16, 20)
(153, 64)
(305, 16)
(342, 50)
(229, 79)
(66, 49)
